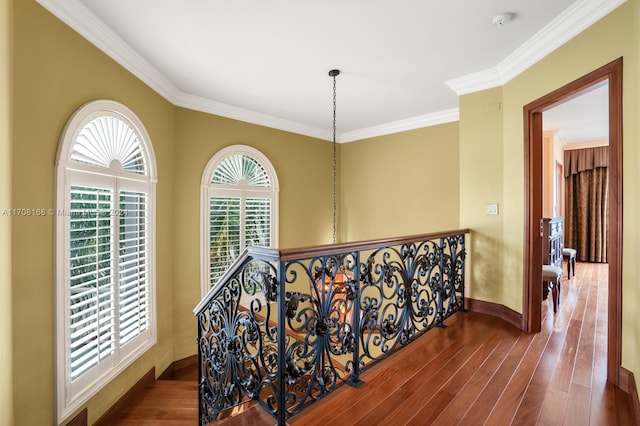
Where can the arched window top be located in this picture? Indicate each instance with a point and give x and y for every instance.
(236, 167)
(240, 165)
(110, 142)
(107, 135)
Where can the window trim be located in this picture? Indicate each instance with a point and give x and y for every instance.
(205, 188)
(70, 398)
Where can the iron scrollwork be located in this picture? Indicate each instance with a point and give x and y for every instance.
(400, 287)
(320, 316)
(341, 313)
(453, 285)
(236, 340)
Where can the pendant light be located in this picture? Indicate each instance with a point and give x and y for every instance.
(334, 74)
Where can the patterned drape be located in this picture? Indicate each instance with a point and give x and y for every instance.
(587, 202)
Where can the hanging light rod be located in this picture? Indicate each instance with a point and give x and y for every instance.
(333, 74)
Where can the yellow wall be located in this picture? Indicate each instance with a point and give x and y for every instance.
(303, 167)
(6, 372)
(631, 345)
(481, 173)
(614, 36)
(401, 184)
(445, 174)
(55, 72)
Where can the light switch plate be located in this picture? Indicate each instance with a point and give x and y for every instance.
(491, 209)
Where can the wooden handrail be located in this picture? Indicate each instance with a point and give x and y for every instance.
(274, 255)
(329, 249)
(222, 281)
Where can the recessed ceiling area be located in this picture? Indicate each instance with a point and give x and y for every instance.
(403, 64)
(583, 118)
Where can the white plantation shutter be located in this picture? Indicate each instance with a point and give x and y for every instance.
(91, 287)
(239, 208)
(237, 167)
(134, 313)
(107, 138)
(258, 222)
(224, 234)
(105, 251)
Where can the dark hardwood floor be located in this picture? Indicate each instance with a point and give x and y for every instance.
(478, 370)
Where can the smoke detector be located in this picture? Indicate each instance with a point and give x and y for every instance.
(503, 19)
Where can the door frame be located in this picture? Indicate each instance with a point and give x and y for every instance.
(532, 294)
(559, 188)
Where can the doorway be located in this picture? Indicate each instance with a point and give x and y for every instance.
(532, 294)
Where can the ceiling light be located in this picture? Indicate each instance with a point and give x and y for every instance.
(503, 19)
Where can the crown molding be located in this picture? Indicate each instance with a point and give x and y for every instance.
(567, 25)
(202, 104)
(440, 117)
(575, 19)
(77, 16)
(475, 82)
(556, 138)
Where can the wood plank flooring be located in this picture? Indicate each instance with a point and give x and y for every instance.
(478, 370)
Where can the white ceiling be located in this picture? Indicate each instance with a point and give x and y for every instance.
(403, 64)
(584, 118)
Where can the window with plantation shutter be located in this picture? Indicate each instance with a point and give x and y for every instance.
(239, 208)
(91, 286)
(104, 250)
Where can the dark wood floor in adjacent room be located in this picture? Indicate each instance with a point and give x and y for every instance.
(478, 370)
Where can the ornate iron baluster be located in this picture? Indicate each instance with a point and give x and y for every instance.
(440, 287)
(354, 380)
(235, 361)
(282, 361)
(460, 276)
(399, 289)
(453, 290)
(337, 314)
(320, 316)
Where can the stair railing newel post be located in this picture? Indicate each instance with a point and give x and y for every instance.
(440, 287)
(281, 414)
(200, 372)
(463, 254)
(356, 322)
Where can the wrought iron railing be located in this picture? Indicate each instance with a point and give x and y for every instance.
(287, 327)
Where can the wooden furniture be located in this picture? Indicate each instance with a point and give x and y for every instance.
(551, 279)
(552, 240)
(570, 255)
(552, 243)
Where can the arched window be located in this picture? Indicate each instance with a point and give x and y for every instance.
(105, 280)
(239, 202)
